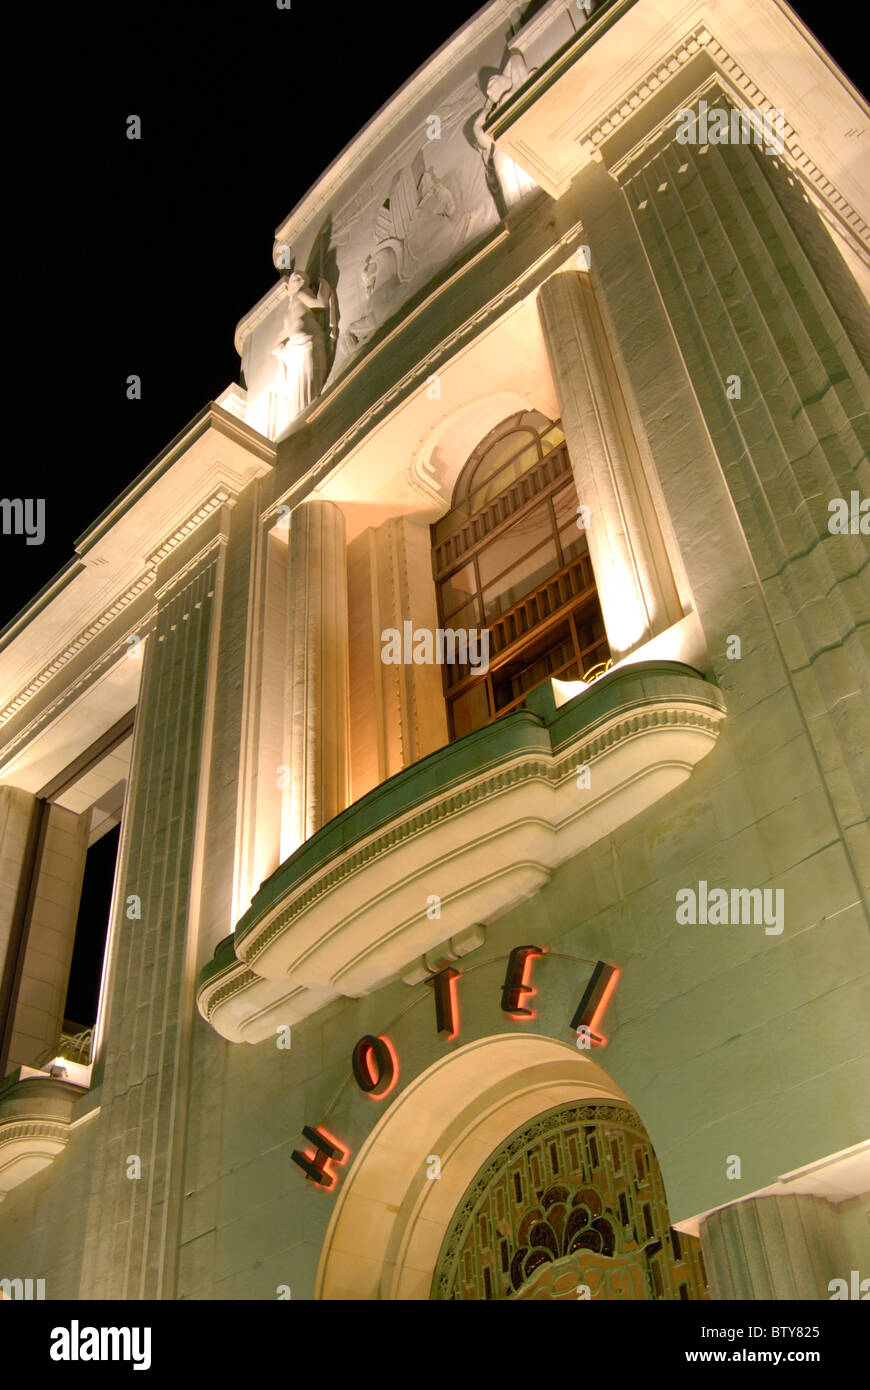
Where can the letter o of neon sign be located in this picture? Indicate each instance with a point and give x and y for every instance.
(374, 1065)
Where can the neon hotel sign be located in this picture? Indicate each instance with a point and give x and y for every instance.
(376, 1068)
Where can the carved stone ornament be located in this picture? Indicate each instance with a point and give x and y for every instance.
(302, 344)
(508, 183)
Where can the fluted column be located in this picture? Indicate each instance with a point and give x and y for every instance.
(632, 572)
(19, 826)
(414, 713)
(317, 679)
(773, 1248)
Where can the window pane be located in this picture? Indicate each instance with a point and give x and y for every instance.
(456, 590)
(536, 420)
(450, 523)
(565, 506)
(464, 651)
(464, 617)
(525, 534)
(553, 438)
(517, 571)
(573, 543)
(571, 537)
(507, 473)
(524, 577)
(552, 653)
(471, 710)
(498, 455)
(591, 636)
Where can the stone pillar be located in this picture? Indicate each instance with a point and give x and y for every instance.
(19, 833)
(398, 714)
(317, 703)
(46, 949)
(773, 1248)
(632, 572)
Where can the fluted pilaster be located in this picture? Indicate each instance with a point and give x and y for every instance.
(775, 336)
(772, 1248)
(133, 1214)
(318, 700)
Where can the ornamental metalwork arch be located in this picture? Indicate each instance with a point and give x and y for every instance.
(570, 1205)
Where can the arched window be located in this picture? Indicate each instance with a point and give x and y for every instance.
(509, 557)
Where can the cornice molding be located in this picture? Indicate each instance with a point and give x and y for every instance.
(143, 583)
(563, 118)
(74, 648)
(635, 98)
(745, 94)
(229, 481)
(221, 497)
(212, 419)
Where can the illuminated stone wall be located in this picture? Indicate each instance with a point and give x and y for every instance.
(732, 1042)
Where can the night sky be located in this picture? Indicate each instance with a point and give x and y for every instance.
(83, 990)
(142, 256)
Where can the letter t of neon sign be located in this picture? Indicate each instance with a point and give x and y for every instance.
(446, 1012)
(596, 997)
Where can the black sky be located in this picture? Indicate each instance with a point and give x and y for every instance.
(83, 989)
(142, 256)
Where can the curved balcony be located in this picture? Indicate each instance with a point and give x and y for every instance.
(36, 1115)
(481, 823)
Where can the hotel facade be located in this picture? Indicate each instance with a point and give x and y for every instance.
(478, 692)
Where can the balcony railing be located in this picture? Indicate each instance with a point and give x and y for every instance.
(75, 1047)
(569, 588)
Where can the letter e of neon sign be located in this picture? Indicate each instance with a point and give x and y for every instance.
(516, 982)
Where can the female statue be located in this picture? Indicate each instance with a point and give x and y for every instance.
(301, 348)
(507, 181)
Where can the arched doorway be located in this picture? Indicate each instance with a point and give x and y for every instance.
(393, 1216)
(572, 1205)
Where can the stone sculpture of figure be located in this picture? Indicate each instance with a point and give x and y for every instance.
(416, 228)
(508, 182)
(301, 348)
(409, 225)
